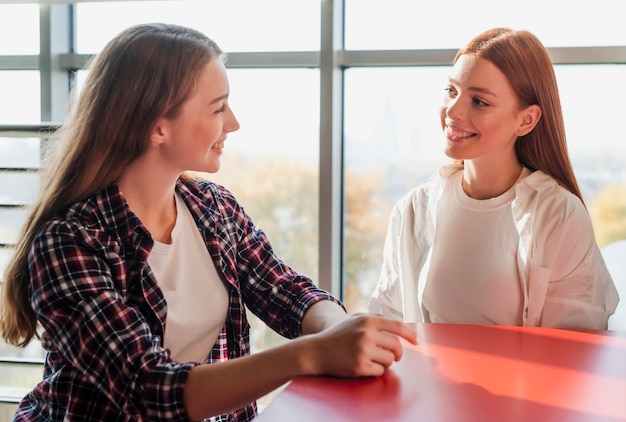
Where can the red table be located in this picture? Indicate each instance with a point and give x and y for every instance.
(476, 373)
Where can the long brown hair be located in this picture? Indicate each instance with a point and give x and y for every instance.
(144, 73)
(525, 62)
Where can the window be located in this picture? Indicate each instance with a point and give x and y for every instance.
(19, 22)
(236, 25)
(407, 24)
(20, 100)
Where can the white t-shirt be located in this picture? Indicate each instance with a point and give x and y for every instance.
(465, 284)
(197, 299)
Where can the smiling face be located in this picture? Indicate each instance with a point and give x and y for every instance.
(194, 139)
(481, 117)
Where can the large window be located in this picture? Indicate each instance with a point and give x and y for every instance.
(378, 119)
(236, 25)
(410, 24)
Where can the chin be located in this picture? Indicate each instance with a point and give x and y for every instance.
(450, 154)
(212, 167)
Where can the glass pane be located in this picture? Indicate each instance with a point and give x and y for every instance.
(236, 25)
(18, 188)
(593, 108)
(16, 152)
(7, 410)
(409, 24)
(11, 221)
(20, 24)
(5, 256)
(17, 379)
(393, 142)
(34, 352)
(20, 101)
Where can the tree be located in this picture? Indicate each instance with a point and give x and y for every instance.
(608, 214)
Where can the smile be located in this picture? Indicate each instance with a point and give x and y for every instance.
(459, 134)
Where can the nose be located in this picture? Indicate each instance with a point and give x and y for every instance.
(232, 124)
(453, 107)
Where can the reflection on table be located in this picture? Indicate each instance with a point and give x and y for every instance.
(476, 373)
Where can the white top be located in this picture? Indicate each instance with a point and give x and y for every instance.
(565, 282)
(197, 299)
(465, 284)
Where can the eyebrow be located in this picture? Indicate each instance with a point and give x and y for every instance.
(475, 88)
(220, 98)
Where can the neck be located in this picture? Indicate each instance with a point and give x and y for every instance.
(489, 181)
(151, 197)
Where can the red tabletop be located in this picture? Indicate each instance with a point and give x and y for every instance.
(477, 373)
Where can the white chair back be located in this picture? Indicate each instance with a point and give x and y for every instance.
(615, 257)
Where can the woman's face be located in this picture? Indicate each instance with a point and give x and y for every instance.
(195, 138)
(480, 115)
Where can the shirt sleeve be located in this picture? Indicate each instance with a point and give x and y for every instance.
(569, 284)
(79, 291)
(407, 244)
(271, 289)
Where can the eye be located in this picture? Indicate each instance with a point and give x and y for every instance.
(221, 109)
(450, 91)
(477, 101)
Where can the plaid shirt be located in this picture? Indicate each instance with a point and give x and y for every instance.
(103, 314)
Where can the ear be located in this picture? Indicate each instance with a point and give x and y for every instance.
(159, 132)
(530, 118)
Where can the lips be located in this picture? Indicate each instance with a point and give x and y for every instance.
(458, 133)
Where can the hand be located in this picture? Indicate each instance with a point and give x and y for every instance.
(359, 345)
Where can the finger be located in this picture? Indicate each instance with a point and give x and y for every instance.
(390, 343)
(373, 369)
(383, 357)
(398, 328)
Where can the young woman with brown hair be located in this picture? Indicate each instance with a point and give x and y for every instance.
(502, 235)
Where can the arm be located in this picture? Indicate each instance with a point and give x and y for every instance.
(568, 283)
(406, 249)
(580, 293)
(271, 289)
(322, 315)
(355, 346)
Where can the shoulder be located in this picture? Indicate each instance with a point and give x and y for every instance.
(212, 204)
(544, 192)
(426, 194)
(98, 220)
(550, 206)
(204, 190)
